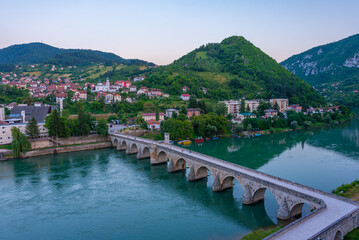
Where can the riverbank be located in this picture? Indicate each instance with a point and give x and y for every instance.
(351, 191)
(49, 146)
(262, 233)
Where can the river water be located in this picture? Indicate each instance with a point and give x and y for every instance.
(106, 194)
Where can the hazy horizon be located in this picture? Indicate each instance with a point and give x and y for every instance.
(162, 31)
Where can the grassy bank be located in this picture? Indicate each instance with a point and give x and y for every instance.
(261, 233)
(351, 191)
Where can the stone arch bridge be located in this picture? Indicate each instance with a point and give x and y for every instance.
(332, 216)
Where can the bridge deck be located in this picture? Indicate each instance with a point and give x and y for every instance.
(336, 207)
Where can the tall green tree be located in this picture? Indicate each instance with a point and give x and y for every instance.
(102, 127)
(83, 118)
(32, 129)
(243, 106)
(20, 145)
(57, 125)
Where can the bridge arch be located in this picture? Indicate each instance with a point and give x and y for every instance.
(162, 156)
(134, 148)
(338, 235)
(146, 152)
(115, 142)
(227, 182)
(123, 145)
(259, 194)
(180, 164)
(203, 171)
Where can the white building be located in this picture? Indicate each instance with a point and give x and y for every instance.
(103, 87)
(233, 106)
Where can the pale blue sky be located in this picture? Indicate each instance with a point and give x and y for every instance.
(162, 31)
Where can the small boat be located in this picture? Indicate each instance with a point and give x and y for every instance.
(215, 138)
(257, 134)
(185, 142)
(207, 139)
(199, 140)
(235, 136)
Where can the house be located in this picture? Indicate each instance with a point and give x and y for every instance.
(185, 89)
(185, 97)
(105, 87)
(60, 96)
(82, 94)
(204, 90)
(270, 112)
(143, 90)
(156, 92)
(169, 112)
(117, 98)
(140, 78)
(193, 112)
(252, 105)
(242, 116)
(166, 95)
(75, 98)
(19, 117)
(109, 98)
(149, 116)
(295, 107)
(133, 88)
(11, 105)
(153, 124)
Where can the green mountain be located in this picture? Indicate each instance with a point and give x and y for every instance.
(33, 53)
(234, 68)
(332, 68)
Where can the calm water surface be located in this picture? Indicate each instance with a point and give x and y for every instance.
(106, 194)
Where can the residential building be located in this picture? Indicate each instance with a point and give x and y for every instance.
(149, 116)
(242, 116)
(109, 98)
(193, 112)
(169, 112)
(83, 94)
(252, 104)
(143, 90)
(233, 106)
(153, 125)
(185, 97)
(60, 96)
(295, 107)
(270, 112)
(185, 89)
(282, 103)
(133, 88)
(117, 98)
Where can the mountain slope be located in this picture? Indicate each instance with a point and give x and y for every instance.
(33, 53)
(333, 68)
(234, 68)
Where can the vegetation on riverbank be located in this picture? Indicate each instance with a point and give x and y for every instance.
(261, 233)
(351, 191)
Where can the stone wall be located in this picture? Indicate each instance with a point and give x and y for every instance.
(82, 140)
(41, 143)
(50, 151)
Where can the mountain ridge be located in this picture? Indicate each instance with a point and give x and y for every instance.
(36, 52)
(333, 68)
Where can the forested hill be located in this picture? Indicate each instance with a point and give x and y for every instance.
(33, 53)
(234, 68)
(332, 68)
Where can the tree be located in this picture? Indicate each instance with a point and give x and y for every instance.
(32, 129)
(294, 125)
(243, 106)
(20, 144)
(193, 103)
(238, 129)
(221, 109)
(327, 119)
(211, 130)
(102, 127)
(57, 125)
(83, 117)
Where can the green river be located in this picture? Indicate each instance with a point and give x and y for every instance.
(106, 194)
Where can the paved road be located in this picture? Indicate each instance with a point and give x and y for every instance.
(335, 207)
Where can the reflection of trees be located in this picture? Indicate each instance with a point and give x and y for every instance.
(253, 152)
(223, 203)
(342, 138)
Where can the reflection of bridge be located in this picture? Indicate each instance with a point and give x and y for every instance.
(333, 216)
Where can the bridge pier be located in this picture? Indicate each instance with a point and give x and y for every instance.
(158, 157)
(283, 210)
(143, 152)
(132, 149)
